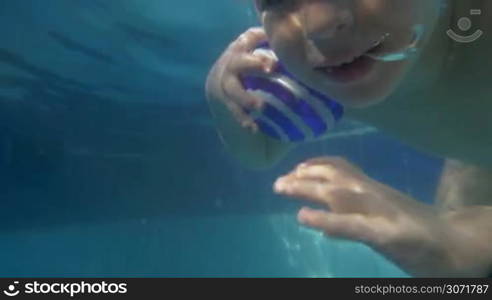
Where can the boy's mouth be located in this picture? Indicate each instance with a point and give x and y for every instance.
(353, 69)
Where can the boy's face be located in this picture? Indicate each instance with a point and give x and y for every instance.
(313, 38)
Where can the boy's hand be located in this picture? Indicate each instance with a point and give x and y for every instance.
(407, 232)
(223, 82)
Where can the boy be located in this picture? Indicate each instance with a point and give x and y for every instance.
(439, 100)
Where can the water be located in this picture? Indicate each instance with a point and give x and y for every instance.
(110, 165)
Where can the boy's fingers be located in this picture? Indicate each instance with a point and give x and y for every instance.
(249, 40)
(347, 226)
(311, 190)
(235, 91)
(337, 199)
(333, 161)
(251, 64)
(317, 172)
(318, 161)
(242, 117)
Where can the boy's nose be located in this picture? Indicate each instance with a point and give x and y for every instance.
(326, 19)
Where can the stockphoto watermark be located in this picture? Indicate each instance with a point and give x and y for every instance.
(464, 25)
(71, 288)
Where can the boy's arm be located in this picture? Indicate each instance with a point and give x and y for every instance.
(464, 198)
(456, 241)
(254, 150)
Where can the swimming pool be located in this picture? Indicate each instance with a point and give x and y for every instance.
(110, 164)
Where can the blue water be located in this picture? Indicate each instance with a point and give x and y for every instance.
(110, 164)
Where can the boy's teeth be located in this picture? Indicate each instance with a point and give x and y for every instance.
(376, 43)
(347, 62)
(367, 53)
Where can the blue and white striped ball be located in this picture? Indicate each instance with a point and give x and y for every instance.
(293, 112)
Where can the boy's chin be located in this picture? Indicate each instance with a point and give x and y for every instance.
(362, 94)
(360, 98)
